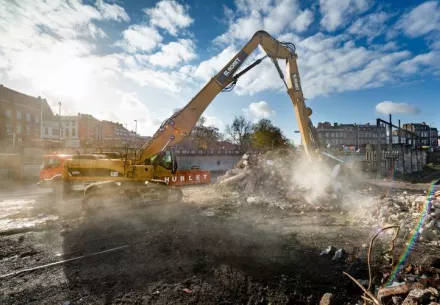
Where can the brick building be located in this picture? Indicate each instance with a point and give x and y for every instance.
(338, 135)
(115, 134)
(20, 117)
(90, 130)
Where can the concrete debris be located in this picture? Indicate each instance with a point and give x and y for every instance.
(420, 295)
(396, 300)
(415, 286)
(385, 295)
(406, 211)
(338, 254)
(329, 251)
(273, 178)
(327, 299)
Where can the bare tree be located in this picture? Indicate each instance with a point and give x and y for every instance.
(240, 131)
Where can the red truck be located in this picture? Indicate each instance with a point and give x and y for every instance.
(52, 169)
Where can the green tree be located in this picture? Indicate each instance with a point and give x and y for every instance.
(267, 136)
(240, 132)
(204, 135)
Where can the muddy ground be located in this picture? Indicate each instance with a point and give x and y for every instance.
(204, 250)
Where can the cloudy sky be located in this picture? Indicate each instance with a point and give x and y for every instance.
(126, 60)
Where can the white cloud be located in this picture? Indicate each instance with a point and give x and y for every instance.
(303, 21)
(337, 13)
(370, 26)
(388, 107)
(172, 82)
(23, 22)
(112, 11)
(274, 17)
(280, 16)
(418, 62)
(208, 68)
(213, 121)
(422, 20)
(130, 108)
(247, 6)
(169, 15)
(140, 38)
(96, 32)
(174, 53)
(260, 110)
(242, 29)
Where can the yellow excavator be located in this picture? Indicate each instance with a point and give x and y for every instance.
(139, 181)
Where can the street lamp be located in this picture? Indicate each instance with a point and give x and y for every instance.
(135, 132)
(59, 124)
(430, 141)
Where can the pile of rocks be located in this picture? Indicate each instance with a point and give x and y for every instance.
(413, 285)
(268, 179)
(408, 211)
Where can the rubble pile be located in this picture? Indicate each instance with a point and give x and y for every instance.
(414, 284)
(268, 179)
(408, 211)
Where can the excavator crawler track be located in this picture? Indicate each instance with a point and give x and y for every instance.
(105, 199)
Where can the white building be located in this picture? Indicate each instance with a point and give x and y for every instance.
(69, 130)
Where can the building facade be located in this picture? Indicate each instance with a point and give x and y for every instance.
(115, 134)
(90, 130)
(352, 135)
(426, 134)
(21, 117)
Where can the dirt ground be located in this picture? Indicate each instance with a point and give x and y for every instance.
(205, 250)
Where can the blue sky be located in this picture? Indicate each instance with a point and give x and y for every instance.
(126, 60)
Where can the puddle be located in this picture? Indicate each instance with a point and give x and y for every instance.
(22, 224)
(11, 207)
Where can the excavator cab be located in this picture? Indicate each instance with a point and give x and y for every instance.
(165, 159)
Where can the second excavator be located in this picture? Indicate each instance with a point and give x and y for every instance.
(141, 181)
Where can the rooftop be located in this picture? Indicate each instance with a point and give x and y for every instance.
(11, 96)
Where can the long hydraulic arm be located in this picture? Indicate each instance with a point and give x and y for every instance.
(180, 124)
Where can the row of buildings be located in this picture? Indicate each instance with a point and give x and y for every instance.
(29, 121)
(357, 136)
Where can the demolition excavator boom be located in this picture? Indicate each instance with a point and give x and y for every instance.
(139, 179)
(179, 125)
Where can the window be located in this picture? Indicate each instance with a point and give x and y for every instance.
(18, 115)
(8, 128)
(37, 119)
(166, 161)
(67, 132)
(8, 113)
(28, 117)
(51, 163)
(46, 131)
(73, 133)
(19, 128)
(28, 130)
